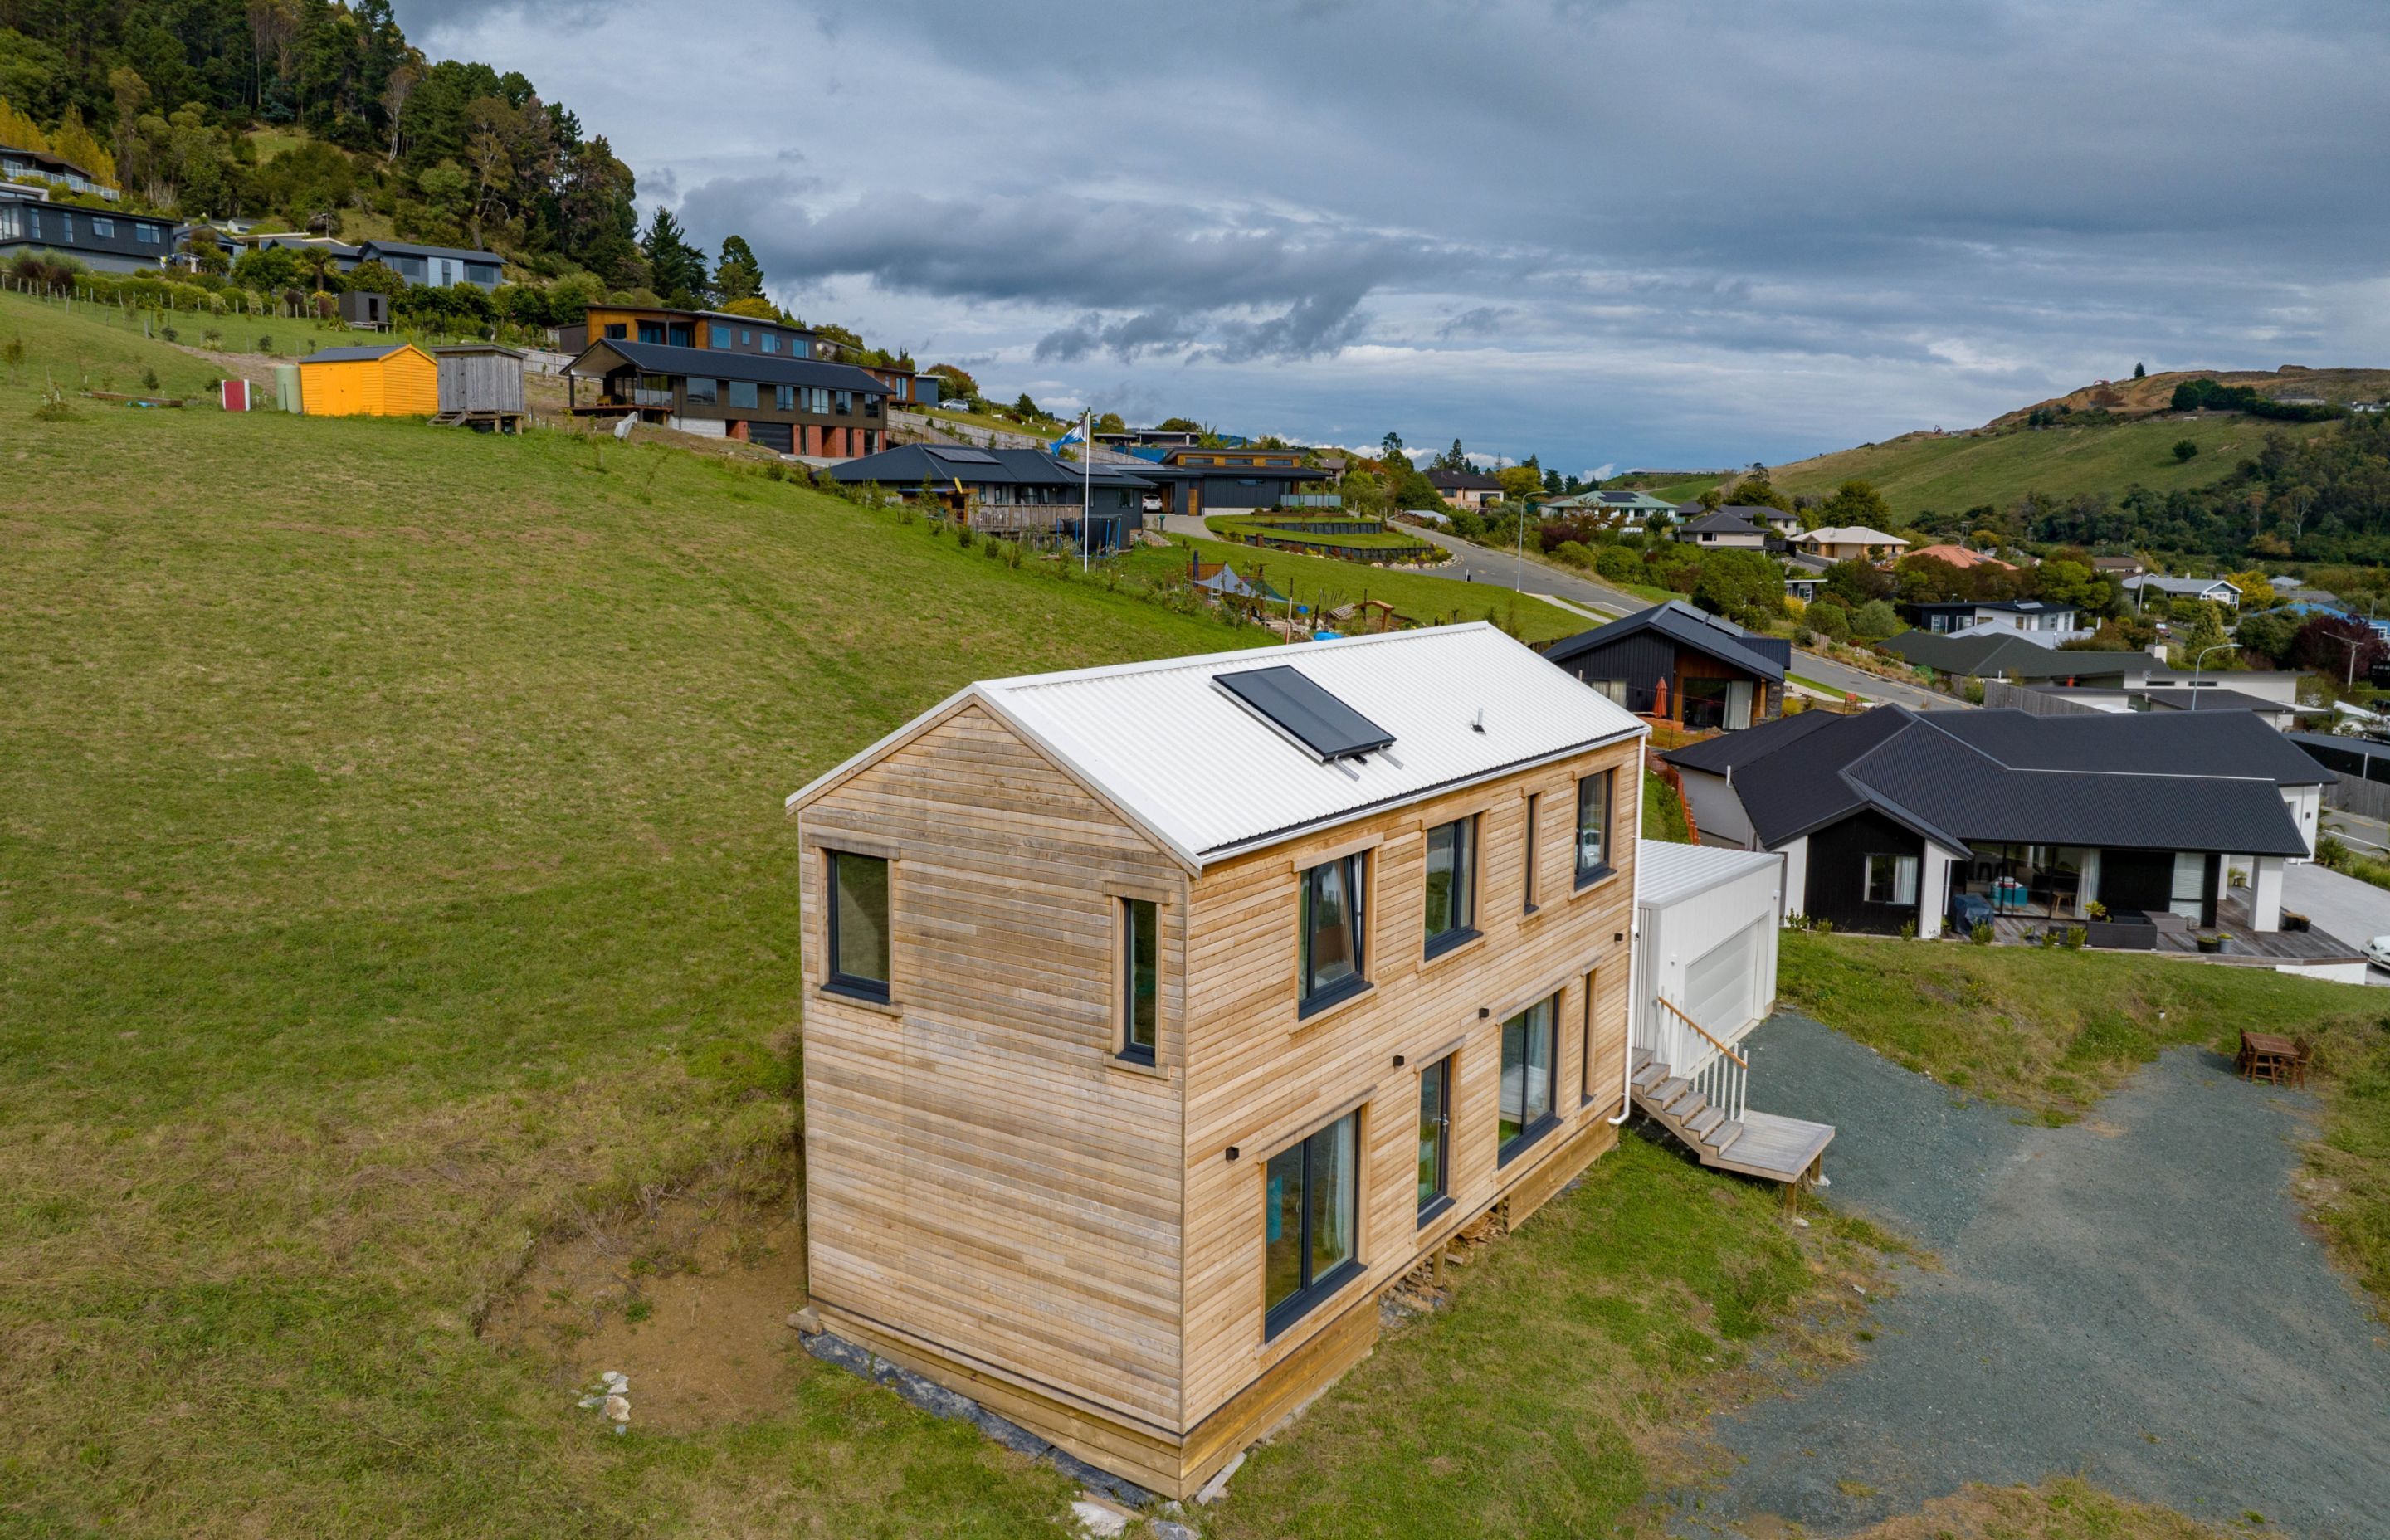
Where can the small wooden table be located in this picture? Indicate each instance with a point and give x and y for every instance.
(2272, 1058)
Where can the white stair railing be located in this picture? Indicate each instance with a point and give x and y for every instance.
(1720, 1074)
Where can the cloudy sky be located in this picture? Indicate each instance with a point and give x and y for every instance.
(1690, 233)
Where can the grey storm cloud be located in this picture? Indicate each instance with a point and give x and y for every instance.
(1145, 277)
(1702, 231)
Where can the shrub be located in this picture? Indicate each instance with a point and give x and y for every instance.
(1875, 620)
(2075, 936)
(1618, 564)
(2184, 449)
(149, 382)
(1829, 619)
(1979, 932)
(1572, 554)
(1909, 929)
(1973, 690)
(1823, 926)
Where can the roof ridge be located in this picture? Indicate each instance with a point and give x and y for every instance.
(1205, 659)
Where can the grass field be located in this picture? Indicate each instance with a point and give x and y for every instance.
(393, 870)
(1957, 472)
(1325, 583)
(2051, 1030)
(1367, 540)
(97, 331)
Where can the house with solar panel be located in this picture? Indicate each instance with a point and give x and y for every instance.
(1159, 1019)
(1011, 491)
(1620, 506)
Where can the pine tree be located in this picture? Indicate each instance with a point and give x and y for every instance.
(675, 269)
(2140, 371)
(738, 276)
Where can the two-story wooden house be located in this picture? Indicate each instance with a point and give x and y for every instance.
(1159, 1017)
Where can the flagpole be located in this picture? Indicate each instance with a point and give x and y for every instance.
(1087, 479)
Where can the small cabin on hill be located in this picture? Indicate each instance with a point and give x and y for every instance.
(392, 379)
(1159, 1018)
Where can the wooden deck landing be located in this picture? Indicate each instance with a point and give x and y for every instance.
(1758, 1144)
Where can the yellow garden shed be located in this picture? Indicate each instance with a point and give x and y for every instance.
(383, 380)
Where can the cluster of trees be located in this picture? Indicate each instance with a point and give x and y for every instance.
(2205, 395)
(2324, 497)
(158, 98)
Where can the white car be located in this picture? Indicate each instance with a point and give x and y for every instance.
(2377, 951)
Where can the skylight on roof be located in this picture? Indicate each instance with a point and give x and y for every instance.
(965, 457)
(1308, 716)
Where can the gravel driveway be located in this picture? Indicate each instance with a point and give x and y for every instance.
(2131, 1298)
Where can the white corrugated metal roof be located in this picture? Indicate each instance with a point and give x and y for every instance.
(1667, 873)
(1207, 778)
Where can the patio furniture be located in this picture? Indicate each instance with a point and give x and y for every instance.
(2272, 1058)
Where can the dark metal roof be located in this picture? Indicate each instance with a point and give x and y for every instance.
(353, 356)
(408, 249)
(1988, 654)
(719, 364)
(1724, 521)
(1687, 626)
(2174, 780)
(909, 465)
(1462, 481)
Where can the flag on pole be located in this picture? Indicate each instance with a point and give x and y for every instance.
(1076, 435)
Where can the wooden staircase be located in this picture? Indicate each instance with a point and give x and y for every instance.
(1705, 1112)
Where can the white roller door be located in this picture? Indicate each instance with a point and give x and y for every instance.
(1719, 985)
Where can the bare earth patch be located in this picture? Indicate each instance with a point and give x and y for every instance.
(689, 1299)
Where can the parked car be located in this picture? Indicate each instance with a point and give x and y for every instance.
(2377, 951)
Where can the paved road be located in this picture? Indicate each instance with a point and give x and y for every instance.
(2131, 1297)
(2372, 835)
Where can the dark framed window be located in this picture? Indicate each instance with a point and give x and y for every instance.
(871, 407)
(1527, 856)
(1310, 1239)
(1435, 1138)
(703, 392)
(1593, 827)
(746, 336)
(651, 331)
(1585, 1063)
(859, 924)
(845, 403)
(742, 393)
(1140, 976)
(784, 398)
(615, 332)
(1451, 884)
(1525, 1112)
(1892, 880)
(771, 342)
(684, 334)
(1333, 907)
(720, 336)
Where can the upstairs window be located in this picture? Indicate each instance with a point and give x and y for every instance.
(151, 235)
(105, 227)
(1310, 1238)
(845, 403)
(614, 331)
(1451, 884)
(651, 331)
(858, 925)
(1331, 940)
(870, 405)
(1593, 828)
(1435, 1138)
(771, 343)
(718, 335)
(742, 393)
(1140, 978)
(784, 398)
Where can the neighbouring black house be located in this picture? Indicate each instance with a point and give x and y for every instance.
(99, 238)
(1676, 661)
(1884, 815)
(794, 405)
(1012, 491)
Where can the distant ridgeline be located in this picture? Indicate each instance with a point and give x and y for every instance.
(160, 99)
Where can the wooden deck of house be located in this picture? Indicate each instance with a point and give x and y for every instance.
(2243, 945)
(1757, 1144)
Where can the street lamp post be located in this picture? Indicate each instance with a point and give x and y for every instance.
(2195, 662)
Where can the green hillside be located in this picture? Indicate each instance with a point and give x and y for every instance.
(393, 868)
(1956, 471)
